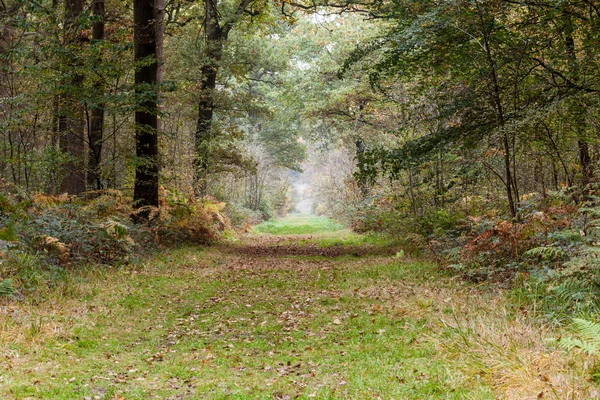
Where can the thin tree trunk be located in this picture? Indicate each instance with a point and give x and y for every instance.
(555, 174)
(543, 178)
(558, 155)
(500, 119)
(213, 36)
(145, 191)
(583, 150)
(411, 193)
(95, 133)
(362, 180)
(585, 164)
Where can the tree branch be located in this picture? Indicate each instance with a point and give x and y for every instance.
(567, 82)
(241, 9)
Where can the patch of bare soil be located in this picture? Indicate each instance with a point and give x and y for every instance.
(281, 246)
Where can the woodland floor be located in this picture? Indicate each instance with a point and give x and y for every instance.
(312, 312)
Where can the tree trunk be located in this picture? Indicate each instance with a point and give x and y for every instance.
(213, 36)
(585, 163)
(145, 191)
(95, 133)
(363, 183)
(71, 122)
(583, 150)
(496, 100)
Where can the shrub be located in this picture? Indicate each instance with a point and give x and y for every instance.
(197, 221)
(243, 217)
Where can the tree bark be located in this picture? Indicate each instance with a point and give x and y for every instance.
(95, 133)
(213, 37)
(71, 124)
(363, 183)
(501, 122)
(583, 150)
(145, 191)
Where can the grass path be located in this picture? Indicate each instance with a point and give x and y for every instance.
(316, 315)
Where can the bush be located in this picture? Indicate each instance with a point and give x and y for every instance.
(243, 217)
(197, 221)
(71, 230)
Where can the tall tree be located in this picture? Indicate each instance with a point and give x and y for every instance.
(95, 131)
(583, 150)
(147, 22)
(71, 123)
(216, 33)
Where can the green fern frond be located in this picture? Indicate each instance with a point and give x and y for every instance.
(588, 329)
(546, 253)
(590, 337)
(570, 344)
(567, 235)
(591, 211)
(573, 290)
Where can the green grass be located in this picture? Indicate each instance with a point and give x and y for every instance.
(299, 224)
(216, 324)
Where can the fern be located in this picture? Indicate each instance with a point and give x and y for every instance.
(6, 288)
(590, 337)
(453, 253)
(566, 236)
(591, 211)
(116, 229)
(573, 290)
(546, 253)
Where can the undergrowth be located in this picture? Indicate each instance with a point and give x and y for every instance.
(42, 236)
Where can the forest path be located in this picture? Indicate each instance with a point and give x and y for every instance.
(345, 318)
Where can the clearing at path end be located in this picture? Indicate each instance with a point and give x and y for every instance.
(319, 315)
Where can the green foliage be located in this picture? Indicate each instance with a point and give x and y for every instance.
(574, 295)
(243, 216)
(589, 341)
(8, 232)
(546, 253)
(85, 237)
(6, 288)
(116, 229)
(26, 270)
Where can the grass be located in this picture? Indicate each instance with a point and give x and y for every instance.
(299, 224)
(221, 324)
(344, 238)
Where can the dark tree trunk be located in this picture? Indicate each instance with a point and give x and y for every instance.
(159, 33)
(585, 163)
(145, 192)
(583, 150)
(363, 183)
(95, 133)
(71, 121)
(558, 156)
(496, 98)
(213, 36)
